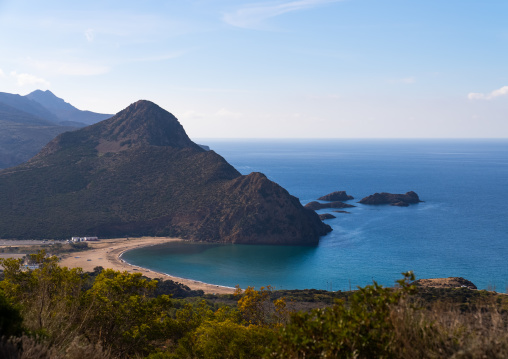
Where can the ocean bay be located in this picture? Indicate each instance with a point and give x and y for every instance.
(460, 229)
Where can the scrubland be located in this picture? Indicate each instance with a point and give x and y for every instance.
(56, 312)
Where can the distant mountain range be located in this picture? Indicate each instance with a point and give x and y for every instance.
(29, 122)
(138, 173)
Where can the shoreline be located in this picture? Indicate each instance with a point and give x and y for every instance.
(107, 253)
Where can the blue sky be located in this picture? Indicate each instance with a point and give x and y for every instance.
(289, 68)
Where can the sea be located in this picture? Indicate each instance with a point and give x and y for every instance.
(460, 230)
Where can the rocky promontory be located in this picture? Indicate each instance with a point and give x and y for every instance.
(139, 174)
(451, 282)
(402, 200)
(336, 196)
(314, 205)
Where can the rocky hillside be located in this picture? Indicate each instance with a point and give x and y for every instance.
(138, 173)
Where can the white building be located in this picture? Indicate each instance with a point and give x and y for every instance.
(84, 239)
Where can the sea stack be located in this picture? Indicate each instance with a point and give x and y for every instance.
(336, 196)
(401, 200)
(139, 174)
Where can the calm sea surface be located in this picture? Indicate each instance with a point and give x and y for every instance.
(461, 230)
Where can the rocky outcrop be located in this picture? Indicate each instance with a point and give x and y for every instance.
(326, 216)
(336, 196)
(451, 282)
(254, 209)
(314, 205)
(342, 212)
(139, 174)
(402, 200)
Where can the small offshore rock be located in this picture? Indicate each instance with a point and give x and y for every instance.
(314, 205)
(391, 198)
(336, 196)
(326, 216)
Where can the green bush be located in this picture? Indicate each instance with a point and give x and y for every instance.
(359, 328)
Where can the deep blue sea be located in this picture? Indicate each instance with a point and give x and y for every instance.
(461, 230)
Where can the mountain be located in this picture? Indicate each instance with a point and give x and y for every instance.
(24, 133)
(24, 104)
(27, 123)
(138, 173)
(64, 111)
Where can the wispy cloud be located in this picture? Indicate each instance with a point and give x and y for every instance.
(89, 34)
(162, 57)
(2, 74)
(27, 79)
(405, 80)
(332, 96)
(251, 16)
(225, 113)
(69, 68)
(222, 114)
(503, 91)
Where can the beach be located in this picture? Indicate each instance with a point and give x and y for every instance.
(107, 254)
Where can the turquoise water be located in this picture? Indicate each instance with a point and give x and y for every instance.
(460, 230)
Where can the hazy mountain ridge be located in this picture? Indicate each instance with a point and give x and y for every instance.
(63, 110)
(25, 104)
(26, 124)
(138, 173)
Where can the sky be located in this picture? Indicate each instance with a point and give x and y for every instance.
(271, 69)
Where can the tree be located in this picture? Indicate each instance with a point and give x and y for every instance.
(10, 318)
(121, 315)
(49, 296)
(257, 308)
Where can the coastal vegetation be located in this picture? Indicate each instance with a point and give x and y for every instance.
(50, 247)
(57, 312)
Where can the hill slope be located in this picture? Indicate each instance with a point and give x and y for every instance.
(138, 173)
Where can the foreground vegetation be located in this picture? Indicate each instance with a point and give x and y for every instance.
(55, 312)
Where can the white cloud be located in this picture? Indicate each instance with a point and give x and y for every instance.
(503, 91)
(89, 34)
(192, 115)
(2, 74)
(252, 15)
(27, 79)
(224, 113)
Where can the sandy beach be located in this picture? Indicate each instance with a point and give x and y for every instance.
(106, 253)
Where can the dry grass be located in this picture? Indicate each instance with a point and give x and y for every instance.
(444, 331)
(26, 347)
